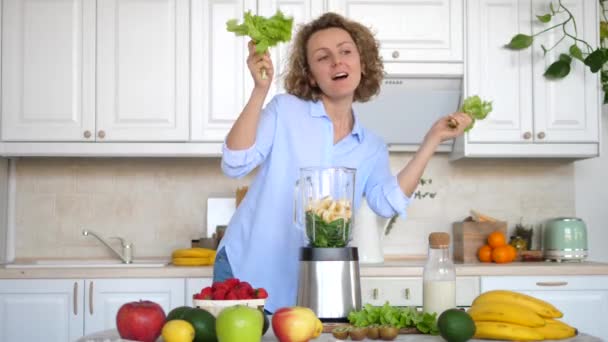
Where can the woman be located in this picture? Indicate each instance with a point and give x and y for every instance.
(333, 62)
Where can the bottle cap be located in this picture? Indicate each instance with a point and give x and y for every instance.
(439, 240)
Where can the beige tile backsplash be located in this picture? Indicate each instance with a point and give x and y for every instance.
(160, 203)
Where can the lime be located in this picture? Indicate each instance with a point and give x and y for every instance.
(456, 326)
(178, 330)
(203, 323)
(178, 313)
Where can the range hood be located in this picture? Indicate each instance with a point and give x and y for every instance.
(407, 107)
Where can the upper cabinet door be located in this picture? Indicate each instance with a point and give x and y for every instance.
(142, 70)
(566, 110)
(220, 79)
(48, 70)
(410, 31)
(497, 74)
(302, 12)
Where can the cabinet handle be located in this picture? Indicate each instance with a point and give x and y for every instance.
(75, 299)
(375, 293)
(541, 135)
(527, 135)
(395, 54)
(87, 134)
(552, 283)
(91, 298)
(101, 134)
(407, 293)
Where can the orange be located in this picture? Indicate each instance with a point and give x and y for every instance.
(501, 255)
(497, 239)
(485, 253)
(512, 252)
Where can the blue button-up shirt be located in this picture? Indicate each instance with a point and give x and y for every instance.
(262, 242)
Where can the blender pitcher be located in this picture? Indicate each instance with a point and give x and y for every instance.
(324, 205)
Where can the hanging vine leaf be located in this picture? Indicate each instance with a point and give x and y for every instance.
(576, 52)
(544, 18)
(596, 60)
(565, 58)
(520, 41)
(603, 30)
(557, 70)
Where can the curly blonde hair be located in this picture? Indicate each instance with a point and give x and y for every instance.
(297, 74)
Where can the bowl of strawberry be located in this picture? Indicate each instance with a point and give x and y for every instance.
(227, 293)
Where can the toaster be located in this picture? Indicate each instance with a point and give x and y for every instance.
(565, 239)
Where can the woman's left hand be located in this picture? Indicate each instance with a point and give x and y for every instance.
(443, 129)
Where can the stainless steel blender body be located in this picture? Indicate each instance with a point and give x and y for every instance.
(329, 282)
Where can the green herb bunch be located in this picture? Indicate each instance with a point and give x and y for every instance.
(399, 317)
(579, 49)
(265, 32)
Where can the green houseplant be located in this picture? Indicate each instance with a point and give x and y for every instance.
(578, 49)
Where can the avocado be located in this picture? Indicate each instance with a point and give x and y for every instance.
(456, 326)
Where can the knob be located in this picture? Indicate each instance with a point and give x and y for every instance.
(395, 54)
(527, 135)
(375, 294)
(87, 134)
(541, 135)
(101, 134)
(407, 293)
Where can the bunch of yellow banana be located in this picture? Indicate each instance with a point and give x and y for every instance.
(508, 315)
(193, 257)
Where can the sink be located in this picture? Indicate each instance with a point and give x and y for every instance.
(86, 263)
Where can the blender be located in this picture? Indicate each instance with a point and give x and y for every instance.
(328, 282)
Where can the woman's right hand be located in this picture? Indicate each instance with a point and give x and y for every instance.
(258, 65)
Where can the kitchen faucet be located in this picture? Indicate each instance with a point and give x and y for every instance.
(127, 248)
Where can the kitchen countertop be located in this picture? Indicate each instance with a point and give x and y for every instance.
(393, 268)
(112, 336)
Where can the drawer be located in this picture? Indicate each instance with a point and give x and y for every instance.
(403, 291)
(467, 289)
(397, 291)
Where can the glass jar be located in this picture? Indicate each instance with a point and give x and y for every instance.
(439, 277)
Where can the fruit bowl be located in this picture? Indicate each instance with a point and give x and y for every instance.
(216, 306)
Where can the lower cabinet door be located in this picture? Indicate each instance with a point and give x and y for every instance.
(582, 299)
(41, 310)
(104, 297)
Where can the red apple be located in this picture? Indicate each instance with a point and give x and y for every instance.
(140, 321)
(296, 324)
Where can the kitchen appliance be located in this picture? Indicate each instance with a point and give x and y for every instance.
(368, 238)
(329, 281)
(565, 239)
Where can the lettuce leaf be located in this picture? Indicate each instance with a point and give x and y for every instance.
(476, 108)
(265, 32)
(399, 317)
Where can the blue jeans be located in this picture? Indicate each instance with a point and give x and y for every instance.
(221, 267)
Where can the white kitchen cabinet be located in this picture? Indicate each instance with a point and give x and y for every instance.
(48, 70)
(41, 309)
(66, 309)
(143, 70)
(407, 291)
(411, 32)
(81, 70)
(220, 79)
(582, 299)
(532, 116)
(103, 298)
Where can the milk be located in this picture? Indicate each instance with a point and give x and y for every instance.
(438, 296)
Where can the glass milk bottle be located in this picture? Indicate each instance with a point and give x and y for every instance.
(439, 278)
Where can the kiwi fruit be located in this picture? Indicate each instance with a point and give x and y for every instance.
(388, 333)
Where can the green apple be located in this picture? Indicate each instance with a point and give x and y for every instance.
(239, 323)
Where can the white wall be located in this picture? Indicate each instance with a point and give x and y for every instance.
(591, 188)
(3, 208)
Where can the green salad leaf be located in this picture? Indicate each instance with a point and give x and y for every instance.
(399, 317)
(476, 108)
(265, 32)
